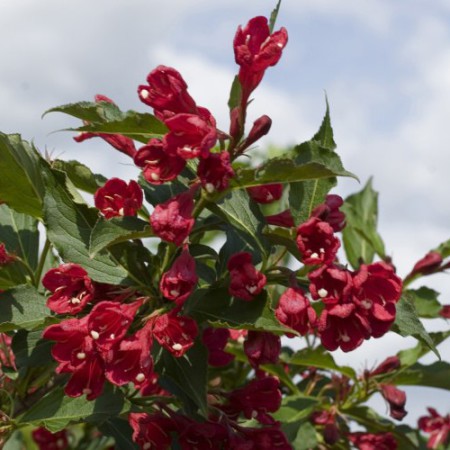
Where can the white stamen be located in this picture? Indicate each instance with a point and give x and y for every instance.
(269, 197)
(254, 414)
(314, 255)
(59, 288)
(87, 391)
(145, 93)
(60, 443)
(366, 304)
(265, 42)
(151, 161)
(209, 188)
(322, 293)
(177, 347)
(121, 212)
(241, 339)
(174, 293)
(146, 446)
(247, 39)
(81, 355)
(251, 289)
(154, 176)
(187, 149)
(75, 301)
(109, 197)
(344, 337)
(279, 44)
(140, 377)
(112, 336)
(95, 335)
(321, 250)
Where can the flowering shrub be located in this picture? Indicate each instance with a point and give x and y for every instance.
(133, 326)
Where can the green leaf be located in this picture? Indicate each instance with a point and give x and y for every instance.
(89, 111)
(55, 411)
(31, 350)
(435, 375)
(295, 408)
(324, 137)
(187, 376)
(444, 249)
(121, 431)
(235, 94)
(412, 355)
(320, 358)
(21, 186)
(22, 308)
(282, 236)
(306, 437)
(221, 310)
(156, 194)
(69, 226)
(118, 229)
(20, 235)
(80, 175)
(139, 126)
(12, 275)
(426, 302)
(407, 322)
(273, 16)
(360, 236)
(284, 170)
(241, 212)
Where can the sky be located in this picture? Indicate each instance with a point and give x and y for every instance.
(384, 65)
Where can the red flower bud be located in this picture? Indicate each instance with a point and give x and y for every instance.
(5, 257)
(46, 440)
(388, 365)
(267, 193)
(215, 339)
(71, 287)
(172, 220)
(179, 282)
(245, 281)
(429, 264)
(159, 165)
(370, 441)
(396, 399)
(329, 212)
(260, 128)
(282, 219)
(445, 312)
(117, 198)
(152, 432)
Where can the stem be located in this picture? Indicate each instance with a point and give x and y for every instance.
(41, 264)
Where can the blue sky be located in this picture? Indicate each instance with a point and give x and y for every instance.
(385, 67)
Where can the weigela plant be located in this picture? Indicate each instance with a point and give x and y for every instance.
(198, 306)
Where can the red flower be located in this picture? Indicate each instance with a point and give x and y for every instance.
(331, 282)
(130, 360)
(71, 287)
(117, 198)
(76, 353)
(262, 348)
(376, 290)
(429, 264)
(151, 432)
(159, 165)
(295, 311)
(260, 128)
(7, 358)
(108, 322)
(172, 220)
(175, 333)
(267, 193)
(396, 399)
(167, 93)
(329, 212)
(255, 399)
(245, 281)
(282, 219)
(190, 135)
(316, 242)
(179, 282)
(201, 436)
(255, 49)
(46, 440)
(215, 339)
(5, 257)
(388, 365)
(122, 143)
(369, 441)
(267, 438)
(445, 312)
(215, 171)
(438, 426)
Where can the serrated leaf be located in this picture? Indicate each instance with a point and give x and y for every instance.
(12, 275)
(320, 358)
(407, 322)
(156, 194)
(426, 302)
(22, 308)
(306, 437)
(80, 175)
(241, 212)
(324, 137)
(444, 249)
(118, 229)
(21, 186)
(221, 310)
(69, 226)
(188, 374)
(89, 111)
(56, 410)
(235, 94)
(435, 375)
(360, 236)
(273, 17)
(20, 235)
(295, 408)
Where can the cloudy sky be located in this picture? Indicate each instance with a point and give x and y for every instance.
(385, 67)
